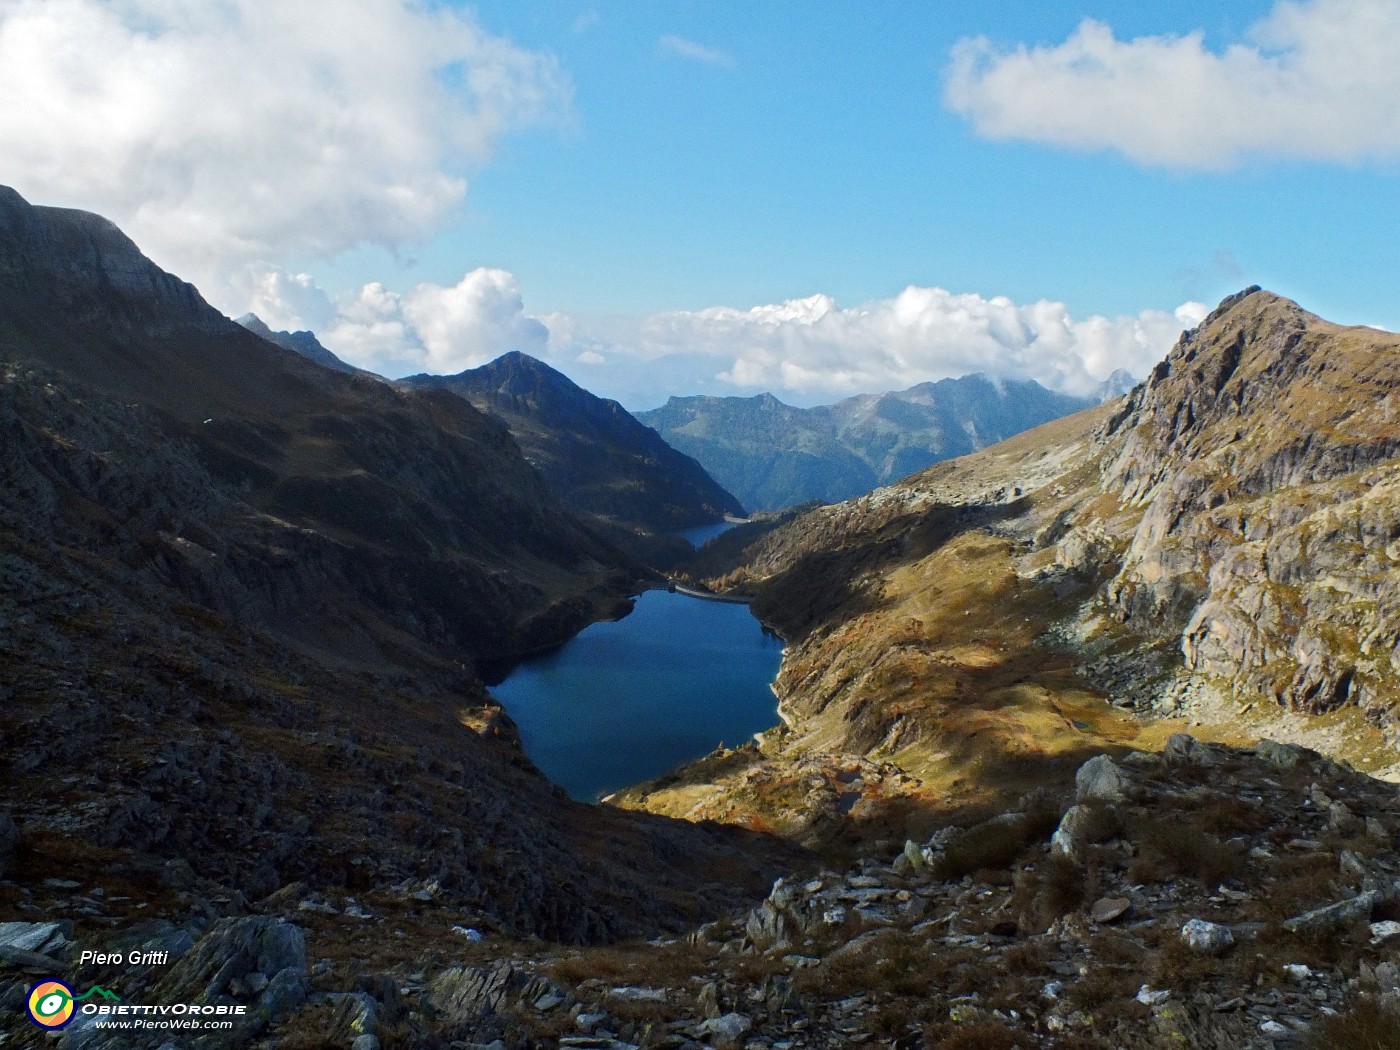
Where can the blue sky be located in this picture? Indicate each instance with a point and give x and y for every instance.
(668, 198)
(823, 159)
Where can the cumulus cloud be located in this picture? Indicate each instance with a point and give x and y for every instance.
(222, 133)
(473, 321)
(1316, 79)
(430, 328)
(683, 48)
(813, 348)
(287, 301)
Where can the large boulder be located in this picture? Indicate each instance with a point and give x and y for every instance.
(1099, 778)
(36, 945)
(1207, 938)
(1286, 755)
(256, 961)
(1080, 827)
(465, 994)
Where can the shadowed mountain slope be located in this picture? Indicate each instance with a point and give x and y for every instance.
(243, 599)
(374, 487)
(772, 455)
(596, 456)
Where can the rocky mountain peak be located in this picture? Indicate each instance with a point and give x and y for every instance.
(1265, 389)
(255, 324)
(590, 450)
(1119, 382)
(101, 269)
(517, 374)
(1261, 453)
(304, 343)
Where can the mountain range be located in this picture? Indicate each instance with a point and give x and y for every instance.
(605, 466)
(772, 455)
(304, 343)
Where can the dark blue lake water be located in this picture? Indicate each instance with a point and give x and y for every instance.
(630, 700)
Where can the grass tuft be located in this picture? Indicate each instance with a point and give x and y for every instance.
(1175, 848)
(980, 1035)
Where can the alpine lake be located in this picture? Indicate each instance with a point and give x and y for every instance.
(629, 700)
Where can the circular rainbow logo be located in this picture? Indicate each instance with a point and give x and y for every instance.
(50, 1004)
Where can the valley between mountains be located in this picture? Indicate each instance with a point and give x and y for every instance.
(1087, 735)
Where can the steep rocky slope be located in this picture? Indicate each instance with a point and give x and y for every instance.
(244, 599)
(1262, 455)
(773, 455)
(1218, 547)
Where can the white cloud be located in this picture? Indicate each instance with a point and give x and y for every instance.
(680, 46)
(808, 350)
(221, 133)
(370, 331)
(1318, 79)
(290, 301)
(431, 328)
(814, 349)
(477, 319)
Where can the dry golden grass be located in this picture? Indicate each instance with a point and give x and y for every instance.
(1055, 885)
(1169, 848)
(979, 1035)
(635, 962)
(984, 847)
(894, 962)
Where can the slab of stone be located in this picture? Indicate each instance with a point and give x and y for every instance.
(1109, 909)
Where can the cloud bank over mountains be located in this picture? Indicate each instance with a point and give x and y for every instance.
(813, 346)
(1317, 80)
(810, 349)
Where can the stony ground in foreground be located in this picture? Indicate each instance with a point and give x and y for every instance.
(1202, 897)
